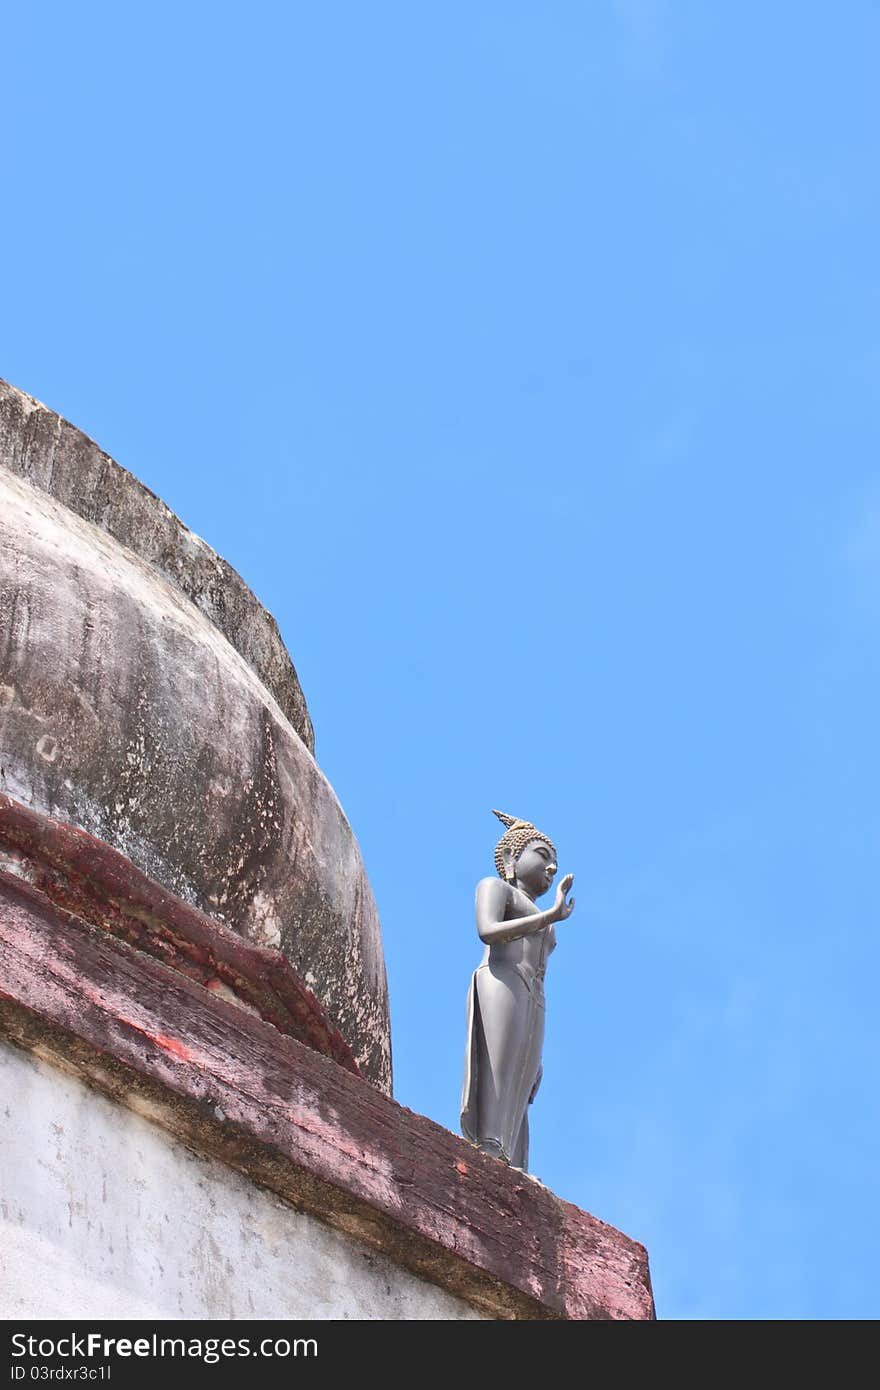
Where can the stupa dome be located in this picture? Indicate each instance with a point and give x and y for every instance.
(147, 698)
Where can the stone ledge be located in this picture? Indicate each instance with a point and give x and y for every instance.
(233, 1087)
(87, 877)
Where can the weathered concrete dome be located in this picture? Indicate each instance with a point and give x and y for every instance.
(146, 696)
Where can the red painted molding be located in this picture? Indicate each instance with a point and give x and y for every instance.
(232, 1086)
(89, 878)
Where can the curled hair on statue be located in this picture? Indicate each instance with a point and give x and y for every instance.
(518, 834)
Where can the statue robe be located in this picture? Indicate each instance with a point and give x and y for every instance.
(505, 1035)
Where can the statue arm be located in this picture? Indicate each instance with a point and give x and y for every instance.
(492, 896)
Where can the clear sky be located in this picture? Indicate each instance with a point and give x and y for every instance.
(524, 358)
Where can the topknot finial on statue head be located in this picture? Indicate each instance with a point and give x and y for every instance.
(518, 834)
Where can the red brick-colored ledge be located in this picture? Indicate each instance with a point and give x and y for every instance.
(89, 878)
(233, 1087)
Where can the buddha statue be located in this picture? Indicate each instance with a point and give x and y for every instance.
(505, 1007)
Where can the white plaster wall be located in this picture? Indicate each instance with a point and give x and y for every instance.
(103, 1214)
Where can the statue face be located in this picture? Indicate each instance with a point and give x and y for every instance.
(536, 868)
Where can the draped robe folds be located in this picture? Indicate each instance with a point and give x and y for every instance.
(505, 1035)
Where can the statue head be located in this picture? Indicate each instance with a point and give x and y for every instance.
(524, 853)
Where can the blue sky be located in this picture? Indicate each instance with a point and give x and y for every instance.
(524, 359)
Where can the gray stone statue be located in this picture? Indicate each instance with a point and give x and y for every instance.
(505, 1007)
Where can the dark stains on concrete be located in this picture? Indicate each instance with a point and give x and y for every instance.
(254, 837)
